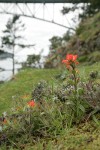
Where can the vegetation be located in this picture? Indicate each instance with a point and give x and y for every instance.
(46, 116)
(33, 61)
(81, 43)
(23, 84)
(57, 49)
(90, 8)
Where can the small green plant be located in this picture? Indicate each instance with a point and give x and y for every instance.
(41, 91)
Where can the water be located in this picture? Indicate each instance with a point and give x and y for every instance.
(7, 65)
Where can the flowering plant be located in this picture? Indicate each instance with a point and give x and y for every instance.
(71, 62)
(31, 103)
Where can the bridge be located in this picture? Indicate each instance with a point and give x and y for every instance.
(43, 1)
(30, 8)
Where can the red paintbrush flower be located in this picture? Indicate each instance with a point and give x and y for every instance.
(70, 59)
(4, 121)
(31, 103)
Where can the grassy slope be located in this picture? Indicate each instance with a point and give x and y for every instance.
(89, 28)
(88, 35)
(85, 43)
(84, 137)
(23, 84)
(85, 70)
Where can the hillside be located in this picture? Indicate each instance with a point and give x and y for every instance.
(25, 81)
(23, 84)
(87, 38)
(85, 42)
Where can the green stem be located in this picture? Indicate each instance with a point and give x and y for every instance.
(75, 79)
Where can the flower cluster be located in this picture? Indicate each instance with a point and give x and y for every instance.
(31, 103)
(70, 61)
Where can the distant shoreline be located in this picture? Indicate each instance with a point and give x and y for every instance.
(6, 74)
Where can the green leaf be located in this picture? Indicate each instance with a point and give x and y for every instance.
(71, 82)
(69, 103)
(96, 120)
(81, 108)
(80, 91)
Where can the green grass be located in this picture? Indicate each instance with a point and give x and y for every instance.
(25, 80)
(23, 84)
(84, 137)
(85, 70)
